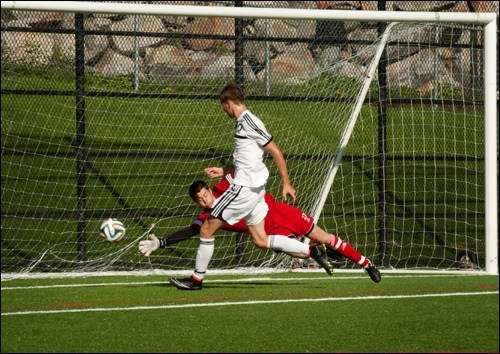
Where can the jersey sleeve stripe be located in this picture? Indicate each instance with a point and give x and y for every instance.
(252, 125)
(268, 142)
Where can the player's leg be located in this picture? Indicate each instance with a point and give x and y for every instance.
(345, 249)
(285, 219)
(256, 226)
(206, 248)
(277, 242)
(290, 246)
(255, 220)
(203, 256)
(230, 207)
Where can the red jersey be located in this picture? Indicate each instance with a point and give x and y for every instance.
(281, 219)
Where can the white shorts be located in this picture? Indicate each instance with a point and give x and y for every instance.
(240, 202)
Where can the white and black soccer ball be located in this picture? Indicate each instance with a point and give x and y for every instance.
(112, 230)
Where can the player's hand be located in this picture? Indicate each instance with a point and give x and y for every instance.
(148, 246)
(214, 172)
(289, 191)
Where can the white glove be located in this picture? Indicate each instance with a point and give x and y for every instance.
(148, 246)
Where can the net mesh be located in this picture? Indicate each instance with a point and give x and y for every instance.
(409, 191)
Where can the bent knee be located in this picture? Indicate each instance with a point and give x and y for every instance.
(262, 244)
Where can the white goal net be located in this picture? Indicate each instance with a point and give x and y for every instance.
(112, 110)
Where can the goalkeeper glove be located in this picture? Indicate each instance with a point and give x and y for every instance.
(148, 246)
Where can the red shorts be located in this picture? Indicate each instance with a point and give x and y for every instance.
(286, 220)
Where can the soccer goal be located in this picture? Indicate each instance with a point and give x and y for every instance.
(387, 120)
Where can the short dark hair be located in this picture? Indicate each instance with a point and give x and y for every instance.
(232, 92)
(196, 187)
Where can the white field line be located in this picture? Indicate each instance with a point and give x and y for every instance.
(215, 272)
(253, 302)
(212, 281)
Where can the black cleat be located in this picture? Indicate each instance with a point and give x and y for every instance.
(333, 255)
(374, 273)
(318, 253)
(186, 284)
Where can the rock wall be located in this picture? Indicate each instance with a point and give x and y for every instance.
(161, 56)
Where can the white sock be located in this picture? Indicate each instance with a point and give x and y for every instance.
(287, 244)
(203, 257)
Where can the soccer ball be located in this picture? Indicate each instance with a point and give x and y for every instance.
(112, 230)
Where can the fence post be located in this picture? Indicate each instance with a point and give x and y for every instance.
(239, 50)
(81, 152)
(382, 144)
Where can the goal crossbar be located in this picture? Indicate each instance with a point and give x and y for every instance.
(236, 12)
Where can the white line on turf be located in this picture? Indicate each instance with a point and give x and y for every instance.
(211, 281)
(253, 302)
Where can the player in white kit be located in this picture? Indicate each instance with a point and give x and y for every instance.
(245, 197)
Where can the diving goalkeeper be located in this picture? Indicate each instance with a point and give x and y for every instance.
(282, 219)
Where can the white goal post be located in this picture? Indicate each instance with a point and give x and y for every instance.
(488, 148)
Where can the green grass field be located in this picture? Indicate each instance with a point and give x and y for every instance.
(286, 312)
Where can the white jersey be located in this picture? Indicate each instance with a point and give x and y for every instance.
(250, 137)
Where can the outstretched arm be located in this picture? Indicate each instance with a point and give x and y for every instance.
(279, 160)
(178, 236)
(148, 246)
